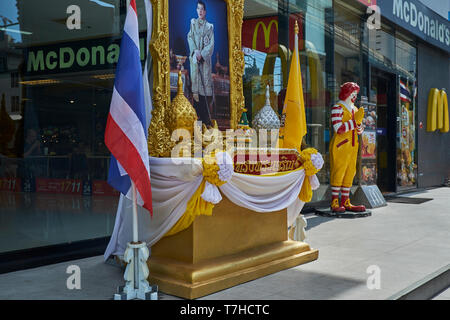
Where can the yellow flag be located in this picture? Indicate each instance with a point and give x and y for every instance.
(293, 119)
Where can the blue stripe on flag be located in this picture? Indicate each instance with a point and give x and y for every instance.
(128, 81)
(118, 182)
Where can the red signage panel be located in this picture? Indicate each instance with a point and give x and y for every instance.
(261, 34)
(102, 188)
(10, 184)
(254, 163)
(369, 2)
(67, 186)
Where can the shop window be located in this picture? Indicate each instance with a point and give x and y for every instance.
(53, 160)
(407, 134)
(381, 44)
(267, 43)
(316, 57)
(347, 32)
(406, 58)
(265, 57)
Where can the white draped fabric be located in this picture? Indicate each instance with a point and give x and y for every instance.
(173, 185)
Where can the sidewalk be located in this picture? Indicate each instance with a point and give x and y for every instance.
(406, 242)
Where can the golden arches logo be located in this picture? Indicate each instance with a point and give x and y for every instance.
(437, 117)
(266, 31)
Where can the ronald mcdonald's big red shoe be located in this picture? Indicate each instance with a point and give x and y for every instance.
(349, 207)
(335, 207)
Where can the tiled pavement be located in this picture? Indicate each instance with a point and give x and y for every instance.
(405, 242)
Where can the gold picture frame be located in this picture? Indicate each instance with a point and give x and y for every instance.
(159, 135)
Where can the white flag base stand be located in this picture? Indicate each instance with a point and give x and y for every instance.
(297, 230)
(136, 274)
(300, 225)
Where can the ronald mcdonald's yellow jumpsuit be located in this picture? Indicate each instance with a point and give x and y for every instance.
(343, 155)
(344, 150)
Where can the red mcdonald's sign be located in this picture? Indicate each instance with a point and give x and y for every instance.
(262, 33)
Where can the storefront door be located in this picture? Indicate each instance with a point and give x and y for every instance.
(383, 93)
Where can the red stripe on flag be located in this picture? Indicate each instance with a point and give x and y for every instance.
(133, 5)
(127, 155)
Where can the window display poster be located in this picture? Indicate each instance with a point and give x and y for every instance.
(370, 116)
(406, 161)
(369, 173)
(368, 145)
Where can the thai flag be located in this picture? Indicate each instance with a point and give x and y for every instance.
(126, 133)
(405, 95)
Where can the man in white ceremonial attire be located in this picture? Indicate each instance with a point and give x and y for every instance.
(201, 47)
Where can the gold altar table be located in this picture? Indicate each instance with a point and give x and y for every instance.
(233, 246)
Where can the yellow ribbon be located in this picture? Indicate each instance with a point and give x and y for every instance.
(210, 171)
(310, 170)
(196, 206)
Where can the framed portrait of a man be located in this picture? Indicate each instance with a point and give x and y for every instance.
(202, 39)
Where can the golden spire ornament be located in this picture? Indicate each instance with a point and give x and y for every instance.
(182, 114)
(266, 117)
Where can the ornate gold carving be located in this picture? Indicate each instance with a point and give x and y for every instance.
(235, 12)
(159, 138)
(159, 142)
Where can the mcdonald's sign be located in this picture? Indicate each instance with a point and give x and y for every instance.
(437, 117)
(265, 29)
(266, 32)
(261, 34)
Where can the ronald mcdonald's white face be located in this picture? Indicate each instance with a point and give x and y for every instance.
(352, 97)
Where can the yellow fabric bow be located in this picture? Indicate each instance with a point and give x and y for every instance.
(310, 170)
(197, 205)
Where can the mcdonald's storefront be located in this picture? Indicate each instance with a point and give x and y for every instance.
(395, 64)
(57, 84)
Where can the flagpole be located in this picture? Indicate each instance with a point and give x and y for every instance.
(296, 31)
(135, 224)
(136, 253)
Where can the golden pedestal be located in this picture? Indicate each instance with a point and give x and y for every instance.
(233, 246)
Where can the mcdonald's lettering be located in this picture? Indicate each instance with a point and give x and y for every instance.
(266, 31)
(260, 34)
(437, 117)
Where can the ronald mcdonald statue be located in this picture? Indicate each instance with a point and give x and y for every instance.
(346, 120)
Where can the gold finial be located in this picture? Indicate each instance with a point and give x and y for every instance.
(181, 114)
(180, 83)
(296, 27)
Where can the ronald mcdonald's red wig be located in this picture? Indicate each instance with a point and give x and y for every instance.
(347, 89)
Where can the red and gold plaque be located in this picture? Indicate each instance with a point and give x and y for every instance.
(261, 162)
